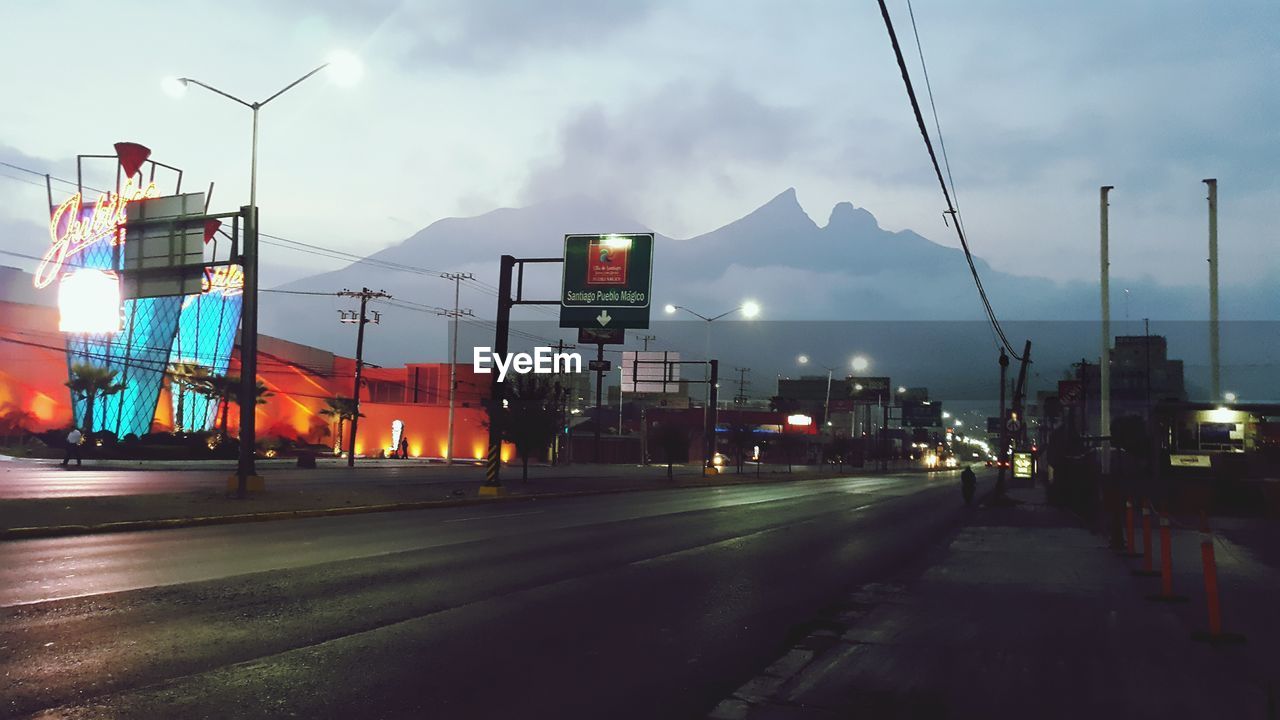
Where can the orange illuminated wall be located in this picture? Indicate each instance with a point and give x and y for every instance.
(425, 427)
(33, 369)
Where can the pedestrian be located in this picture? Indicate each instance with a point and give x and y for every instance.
(968, 483)
(74, 439)
(404, 448)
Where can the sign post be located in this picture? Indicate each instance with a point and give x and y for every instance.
(608, 281)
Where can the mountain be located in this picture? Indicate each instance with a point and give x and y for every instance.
(848, 269)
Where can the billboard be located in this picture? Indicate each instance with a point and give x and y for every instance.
(921, 414)
(650, 372)
(869, 390)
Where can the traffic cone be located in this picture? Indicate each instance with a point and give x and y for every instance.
(1215, 634)
(1166, 564)
(1146, 570)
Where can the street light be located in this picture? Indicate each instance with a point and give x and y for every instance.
(1229, 397)
(750, 309)
(860, 363)
(826, 404)
(345, 70)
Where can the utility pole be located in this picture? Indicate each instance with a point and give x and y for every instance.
(1104, 365)
(741, 398)
(457, 279)
(365, 295)
(645, 339)
(1215, 369)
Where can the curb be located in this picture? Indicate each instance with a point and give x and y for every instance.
(51, 531)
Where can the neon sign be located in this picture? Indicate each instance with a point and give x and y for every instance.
(225, 279)
(72, 234)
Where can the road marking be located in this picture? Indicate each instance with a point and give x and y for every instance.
(488, 517)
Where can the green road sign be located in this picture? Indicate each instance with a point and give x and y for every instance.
(608, 281)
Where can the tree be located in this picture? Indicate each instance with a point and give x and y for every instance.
(88, 382)
(781, 404)
(740, 437)
(226, 390)
(531, 416)
(672, 440)
(790, 442)
(185, 377)
(344, 409)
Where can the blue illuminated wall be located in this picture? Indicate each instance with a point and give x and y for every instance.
(206, 337)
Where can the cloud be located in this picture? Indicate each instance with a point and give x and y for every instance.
(682, 135)
(481, 34)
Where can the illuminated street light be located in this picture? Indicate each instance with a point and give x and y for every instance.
(826, 404)
(1229, 397)
(749, 310)
(860, 363)
(901, 389)
(945, 414)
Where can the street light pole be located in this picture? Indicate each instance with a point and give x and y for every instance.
(711, 414)
(245, 468)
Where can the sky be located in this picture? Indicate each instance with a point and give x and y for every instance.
(686, 115)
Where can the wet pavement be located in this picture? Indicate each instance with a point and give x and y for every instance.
(624, 606)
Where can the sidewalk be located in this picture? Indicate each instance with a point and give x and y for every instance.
(288, 497)
(1024, 614)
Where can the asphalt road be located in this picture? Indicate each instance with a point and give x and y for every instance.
(28, 479)
(642, 605)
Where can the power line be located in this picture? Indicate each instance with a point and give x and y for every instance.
(946, 193)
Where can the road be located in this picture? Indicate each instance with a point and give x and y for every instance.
(27, 479)
(641, 605)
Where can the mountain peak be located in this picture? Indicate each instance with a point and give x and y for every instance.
(847, 218)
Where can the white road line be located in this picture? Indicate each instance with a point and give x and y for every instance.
(488, 517)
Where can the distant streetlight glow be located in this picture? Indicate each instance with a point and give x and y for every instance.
(860, 363)
(901, 389)
(1230, 397)
(945, 414)
(803, 359)
(750, 309)
(670, 309)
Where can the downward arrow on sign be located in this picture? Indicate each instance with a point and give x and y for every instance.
(603, 317)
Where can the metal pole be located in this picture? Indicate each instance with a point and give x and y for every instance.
(599, 405)
(1104, 364)
(245, 467)
(712, 398)
(620, 383)
(493, 467)
(1215, 367)
(1003, 456)
(826, 404)
(355, 393)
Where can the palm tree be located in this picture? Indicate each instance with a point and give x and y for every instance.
(226, 390)
(88, 382)
(187, 377)
(344, 409)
